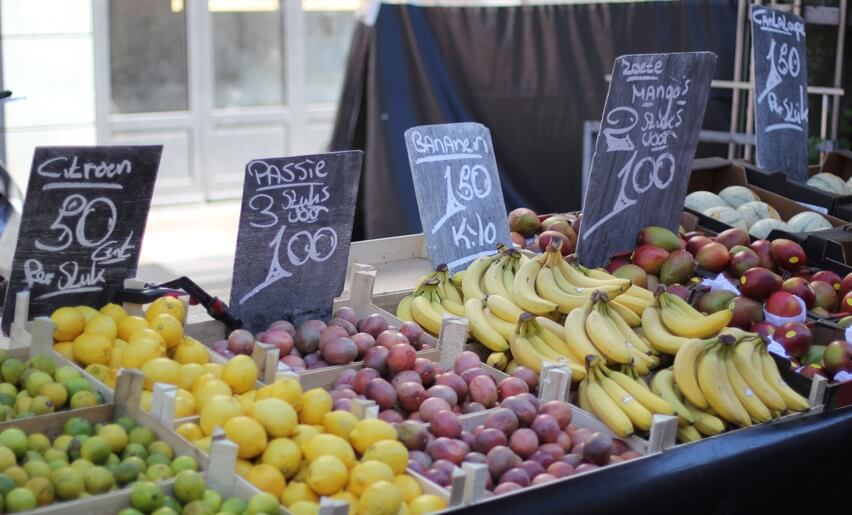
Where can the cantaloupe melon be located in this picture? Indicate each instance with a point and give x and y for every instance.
(762, 228)
(808, 221)
(829, 182)
(736, 196)
(703, 200)
(726, 215)
(757, 210)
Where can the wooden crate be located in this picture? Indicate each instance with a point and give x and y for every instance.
(399, 261)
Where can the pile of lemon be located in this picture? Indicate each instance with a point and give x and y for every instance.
(294, 446)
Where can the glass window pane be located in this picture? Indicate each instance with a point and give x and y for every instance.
(148, 70)
(248, 54)
(327, 36)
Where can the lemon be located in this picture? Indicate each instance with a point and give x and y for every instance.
(304, 508)
(297, 491)
(184, 404)
(204, 443)
(284, 455)
(287, 389)
(315, 404)
(205, 391)
(201, 379)
(240, 373)
(339, 423)
(69, 324)
(426, 503)
(160, 370)
(267, 478)
(117, 358)
(327, 475)
(190, 431)
(190, 350)
(57, 393)
(247, 404)
(304, 434)
(408, 486)
(102, 324)
(91, 348)
(248, 434)
(326, 444)
(366, 473)
(146, 401)
(169, 328)
(348, 498)
(369, 431)
(188, 373)
(118, 343)
(243, 467)
(100, 372)
(114, 311)
(88, 312)
(131, 324)
(380, 498)
(218, 410)
(391, 452)
(213, 368)
(64, 350)
(276, 416)
(167, 305)
(136, 354)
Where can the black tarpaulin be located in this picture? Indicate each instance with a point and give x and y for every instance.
(531, 74)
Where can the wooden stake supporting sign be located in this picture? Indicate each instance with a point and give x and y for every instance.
(649, 131)
(293, 239)
(781, 91)
(458, 192)
(82, 225)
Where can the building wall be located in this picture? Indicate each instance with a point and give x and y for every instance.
(48, 59)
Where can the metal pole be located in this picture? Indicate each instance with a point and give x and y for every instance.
(838, 69)
(823, 123)
(738, 73)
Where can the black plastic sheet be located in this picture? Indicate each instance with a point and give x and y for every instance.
(532, 74)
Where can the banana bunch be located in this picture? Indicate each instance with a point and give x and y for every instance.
(727, 379)
(620, 400)
(681, 319)
(534, 341)
(434, 298)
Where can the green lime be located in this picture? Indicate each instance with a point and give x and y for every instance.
(142, 435)
(146, 497)
(20, 499)
(14, 439)
(98, 480)
(78, 426)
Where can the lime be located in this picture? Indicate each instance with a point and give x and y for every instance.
(37, 469)
(18, 475)
(68, 483)
(262, 503)
(130, 511)
(197, 508)
(165, 510)
(43, 490)
(38, 443)
(98, 480)
(7, 399)
(6, 485)
(159, 472)
(158, 459)
(126, 423)
(42, 405)
(14, 439)
(137, 462)
(11, 370)
(78, 384)
(42, 362)
(126, 473)
(7, 458)
(142, 435)
(189, 486)
(234, 505)
(171, 502)
(20, 499)
(162, 448)
(182, 463)
(96, 449)
(81, 466)
(213, 499)
(135, 449)
(57, 464)
(146, 497)
(115, 435)
(36, 380)
(65, 374)
(77, 426)
(83, 399)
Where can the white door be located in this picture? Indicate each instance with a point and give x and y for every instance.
(218, 83)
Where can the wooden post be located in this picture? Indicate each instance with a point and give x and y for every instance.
(128, 392)
(364, 409)
(41, 333)
(265, 356)
(130, 307)
(221, 468)
(554, 381)
(474, 485)
(163, 402)
(457, 487)
(663, 433)
(18, 334)
(816, 397)
(451, 340)
(361, 291)
(330, 506)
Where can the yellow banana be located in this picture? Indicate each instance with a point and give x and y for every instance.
(453, 293)
(556, 343)
(688, 434)
(753, 376)
(792, 399)
(575, 335)
(749, 400)
(641, 293)
(553, 327)
(579, 279)
(493, 279)
(606, 337)
(595, 273)
(525, 354)
(424, 314)
(606, 410)
(663, 385)
(545, 285)
(658, 336)
(582, 396)
(635, 304)
(630, 371)
(652, 402)
(504, 308)
(403, 310)
(686, 372)
(481, 329)
(498, 360)
(635, 411)
(629, 335)
(578, 372)
(504, 328)
(715, 385)
(457, 278)
(681, 319)
(705, 423)
(525, 295)
(626, 314)
(471, 287)
(452, 307)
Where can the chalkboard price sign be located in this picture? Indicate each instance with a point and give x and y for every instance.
(293, 239)
(781, 91)
(82, 225)
(649, 131)
(458, 192)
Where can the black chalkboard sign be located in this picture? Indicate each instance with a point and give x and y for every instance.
(458, 192)
(293, 239)
(649, 131)
(82, 225)
(781, 91)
